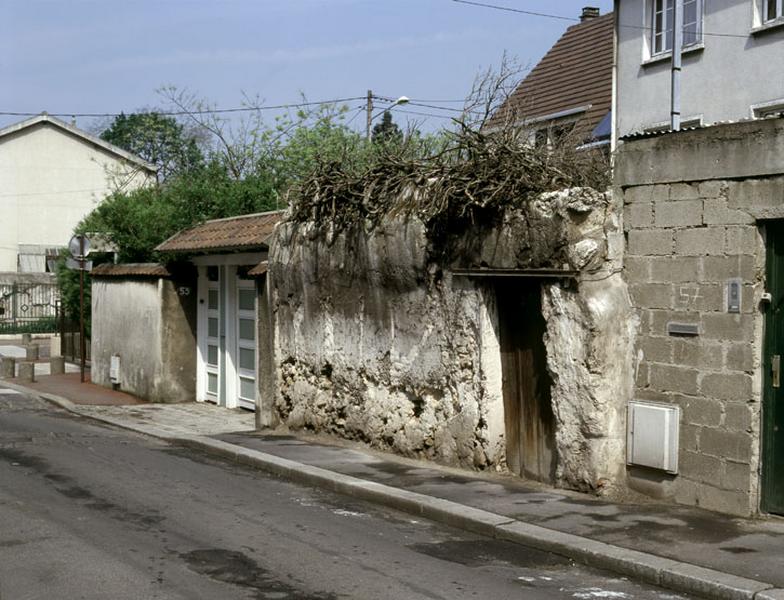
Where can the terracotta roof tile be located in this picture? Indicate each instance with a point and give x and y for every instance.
(259, 269)
(575, 72)
(236, 233)
(131, 270)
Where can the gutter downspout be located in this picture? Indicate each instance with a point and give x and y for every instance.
(614, 101)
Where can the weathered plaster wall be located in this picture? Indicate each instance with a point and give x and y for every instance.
(152, 328)
(694, 202)
(374, 342)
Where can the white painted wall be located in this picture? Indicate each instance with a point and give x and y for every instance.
(49, 180)
(720, 81)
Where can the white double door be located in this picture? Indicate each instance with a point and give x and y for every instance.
(227, 360)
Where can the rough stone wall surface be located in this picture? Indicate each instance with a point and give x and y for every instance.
(685, 241)
(374, 342)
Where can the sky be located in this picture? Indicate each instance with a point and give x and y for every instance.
(108, 56)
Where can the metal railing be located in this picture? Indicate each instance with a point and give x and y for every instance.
(29, 307)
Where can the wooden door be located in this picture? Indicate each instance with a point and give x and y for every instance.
(773, 362)
(529, 421)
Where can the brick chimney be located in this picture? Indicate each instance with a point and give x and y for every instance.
(589, 12)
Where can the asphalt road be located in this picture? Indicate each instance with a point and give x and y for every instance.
(92, 512)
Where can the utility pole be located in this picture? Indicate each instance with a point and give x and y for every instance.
(82, 353)
(677, 46)
(368, 130)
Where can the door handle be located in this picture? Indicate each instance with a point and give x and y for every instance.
(775, 368)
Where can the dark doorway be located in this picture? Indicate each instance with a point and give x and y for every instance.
(530, 425)
(773, 399)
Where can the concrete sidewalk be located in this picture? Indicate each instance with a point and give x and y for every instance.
(687, 550)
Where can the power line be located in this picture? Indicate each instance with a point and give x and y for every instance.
(175, 113)
(577, 19)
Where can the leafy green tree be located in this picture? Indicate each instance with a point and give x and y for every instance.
(158, 139)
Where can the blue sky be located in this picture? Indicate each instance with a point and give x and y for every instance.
(81, 56)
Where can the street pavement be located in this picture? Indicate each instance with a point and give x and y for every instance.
(92, 511)
(689, 550)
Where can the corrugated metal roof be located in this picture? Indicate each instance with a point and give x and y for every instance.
(576, 72)
(131, 270)
(236, 233)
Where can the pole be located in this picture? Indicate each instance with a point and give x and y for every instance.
(677, 46)
(368, 130)
(81, 307)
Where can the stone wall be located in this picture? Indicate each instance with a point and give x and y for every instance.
(375, 342)
(692, 202)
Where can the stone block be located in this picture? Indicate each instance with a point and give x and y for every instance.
(729, 327)
(638, 215)
(715, 212)
(651, 295)
(739, 357)
(7, 367)
(669, 378)
(726, 444)
(736, 476)
(723, 501)
(700, 241)
(647, 242)
(694, 352)
(26, 371)
(27, 338)
(738, 417)
(56, 365)
(675, 269)
(700, 467)
(701, 411)
(657, 349)
(719, 269)
(637, 269)
(684, 191)
(735, 387)
(31, 352)
(681, 213)
(742, 240)
(712, 189)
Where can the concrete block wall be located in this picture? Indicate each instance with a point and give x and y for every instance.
(685, 242)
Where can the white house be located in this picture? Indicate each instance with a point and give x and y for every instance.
(732, 58)
(52, 174)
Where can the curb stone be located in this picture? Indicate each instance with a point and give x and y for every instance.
(650, 568)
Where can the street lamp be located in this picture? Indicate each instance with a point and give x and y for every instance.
(371, 116)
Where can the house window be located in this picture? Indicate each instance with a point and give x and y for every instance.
(773, 9)
(663, 21)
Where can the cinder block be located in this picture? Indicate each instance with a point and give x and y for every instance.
(651, 295)
(31, 352)
(675, 269)
(712, 189)
(735, 387)
(694, 352)
(721, 268)
(638, 215)
(729, 327)
(641, 378)
(736, 476)
(700, 467)
(684, 191)
(56, 365)
(699, 297)
(657, 349)
(26, 371)
(742, 240)
(716, 212)
(740, 357)
(701, 411)
(690, 438)
(738, 416)
(724, 501)
(700, 241)
(755, 195)
(7, 367)
(681, 213)
(650, 242)
(637, 269)
(660, 318)
(726, 444)
(668, 378)
(641, 193)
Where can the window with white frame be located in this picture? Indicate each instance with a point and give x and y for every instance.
(663, 19)
(772, 10)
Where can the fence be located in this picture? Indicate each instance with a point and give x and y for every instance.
(29, 307)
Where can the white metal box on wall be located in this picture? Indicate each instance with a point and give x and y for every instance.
(652, 435)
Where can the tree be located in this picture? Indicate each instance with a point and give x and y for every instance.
(386, 130)
(158, 139)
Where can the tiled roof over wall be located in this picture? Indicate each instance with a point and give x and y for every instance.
(576, 72)
(236, 233)
(131, 270)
